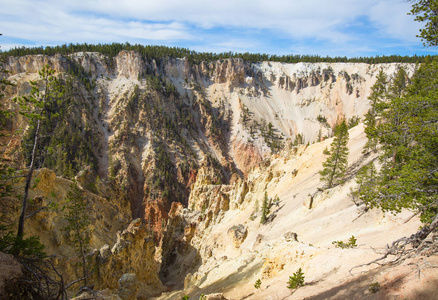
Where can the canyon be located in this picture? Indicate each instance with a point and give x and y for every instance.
(179, 157)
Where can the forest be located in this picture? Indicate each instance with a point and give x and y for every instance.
(159, 52)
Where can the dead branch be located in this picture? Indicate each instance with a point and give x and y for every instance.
(417, 243)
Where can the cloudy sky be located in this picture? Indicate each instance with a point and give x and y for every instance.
(335, 28)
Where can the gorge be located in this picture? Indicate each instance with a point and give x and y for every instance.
(175, 158)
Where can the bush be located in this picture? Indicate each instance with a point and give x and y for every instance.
(258, 283)
(374, 287)
(296, 280)
(353, 121)
(350, 244)
(323, 120)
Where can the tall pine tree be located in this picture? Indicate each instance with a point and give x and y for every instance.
(336, 163)
(377, 98)
(367, 188)
(35, 108)
(408, 137)
(78, 225)
(265, 209)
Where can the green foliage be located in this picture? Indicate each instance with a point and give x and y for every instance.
(408, 139)
(353, 121)
(276, 200)
(29, 248)
(161, 53)
(336, 164)
(378, 104)
(78, 224)
(367, 190)
(426, 11)
(185, 297)
(202, 297)
(374, 287)
(323, 121)
(22, 247)
(66, 145)
(267, 132)
(299, 140)
(245, 115)
(350, 244)
(265, 209)
(296, 280)
(258, 283)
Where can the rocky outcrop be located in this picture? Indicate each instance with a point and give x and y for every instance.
(34, 63)
(130, 264)
(177, 247)
(172, 150)
(238, 234)
(128, 286)
(129, 64)
(156, 123)
(46, 219)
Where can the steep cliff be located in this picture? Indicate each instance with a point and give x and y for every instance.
(151, 127)
(220, 245)
(189, 150)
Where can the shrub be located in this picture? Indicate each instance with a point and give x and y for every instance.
(258, 283)
(296, 280)
(353, 121)
(350, 244)
(374, 287)
(323, 120)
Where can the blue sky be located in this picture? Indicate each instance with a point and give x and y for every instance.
(334, 28)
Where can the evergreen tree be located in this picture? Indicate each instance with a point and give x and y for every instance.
(35, 109)
(377, 97)
(427, 11)
(408, 139)
(265, 209)
(366, 191)
(398, 84)
(336, 163)
(78, 225)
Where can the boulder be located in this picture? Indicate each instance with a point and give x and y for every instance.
(237, 234)
(128, 286)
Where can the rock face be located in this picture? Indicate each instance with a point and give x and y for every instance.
(157, 123)
(130, 264)
(46, 219)
(238, 234)
(188, 152)
(128, 286)
(235, 249)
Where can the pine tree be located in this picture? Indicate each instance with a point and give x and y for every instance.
(408, 139)
(35, 109)
(336, 163)
(377, 97)
(426, 11)
(367, 189)
(265, 209)
(78, 225)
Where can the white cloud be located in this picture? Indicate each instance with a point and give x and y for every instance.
(170, 21)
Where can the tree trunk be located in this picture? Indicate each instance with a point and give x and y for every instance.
(20, 232)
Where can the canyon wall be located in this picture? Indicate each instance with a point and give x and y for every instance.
(161, 126)
(188, 151)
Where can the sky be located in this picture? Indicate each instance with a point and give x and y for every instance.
(349, 28)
